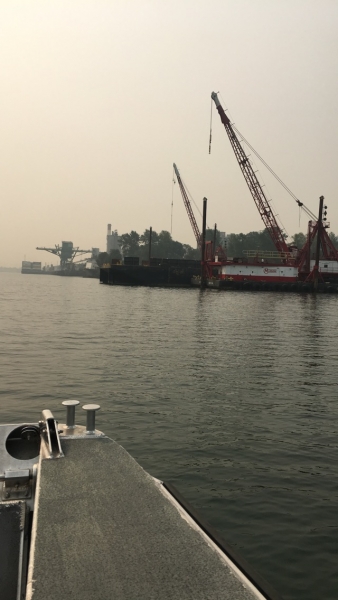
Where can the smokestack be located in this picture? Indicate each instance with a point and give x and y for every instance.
(109, 229)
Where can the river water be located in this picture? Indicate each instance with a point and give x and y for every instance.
(231, 396)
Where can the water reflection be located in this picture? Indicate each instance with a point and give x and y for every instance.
(232, 396)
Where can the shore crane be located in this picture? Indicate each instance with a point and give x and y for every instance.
(66, 252)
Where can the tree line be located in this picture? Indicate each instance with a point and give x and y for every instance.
(238, 243)
(163, 245)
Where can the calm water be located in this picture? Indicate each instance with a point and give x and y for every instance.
(231, 396)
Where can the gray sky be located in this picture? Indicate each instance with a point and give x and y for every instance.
(99, 98)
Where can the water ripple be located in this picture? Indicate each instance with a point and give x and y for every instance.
(231, 396)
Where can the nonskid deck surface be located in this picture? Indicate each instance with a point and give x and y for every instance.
(104, 528)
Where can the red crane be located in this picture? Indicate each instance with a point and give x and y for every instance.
(187, 205)
(317, 231)
(254, 185)
(210, 248)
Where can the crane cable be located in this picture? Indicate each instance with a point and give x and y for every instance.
(172, 203)
(192, 200)
(300, 204)
(190, 197)
(270, 201)
(210, 137)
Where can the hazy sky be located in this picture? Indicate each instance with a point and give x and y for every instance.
(99, 98)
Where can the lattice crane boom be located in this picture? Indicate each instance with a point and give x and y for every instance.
(188, 207)
(253, 183)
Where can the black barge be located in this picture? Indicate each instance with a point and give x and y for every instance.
(159, 272)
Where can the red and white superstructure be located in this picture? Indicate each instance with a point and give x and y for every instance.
(330, 267)
(235, 271)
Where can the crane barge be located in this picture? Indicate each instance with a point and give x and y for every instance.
(291, 264)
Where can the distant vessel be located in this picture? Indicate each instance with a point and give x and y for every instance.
(73, 270)
(31, 268)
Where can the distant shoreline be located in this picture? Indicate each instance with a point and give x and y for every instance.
(10, 269)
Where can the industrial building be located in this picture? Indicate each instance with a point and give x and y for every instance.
(112, 239)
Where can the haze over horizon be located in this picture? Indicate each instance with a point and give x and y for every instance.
(100, 98)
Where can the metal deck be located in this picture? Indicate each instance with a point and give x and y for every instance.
(103, 528)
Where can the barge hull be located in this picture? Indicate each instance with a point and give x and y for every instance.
(152, 276)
